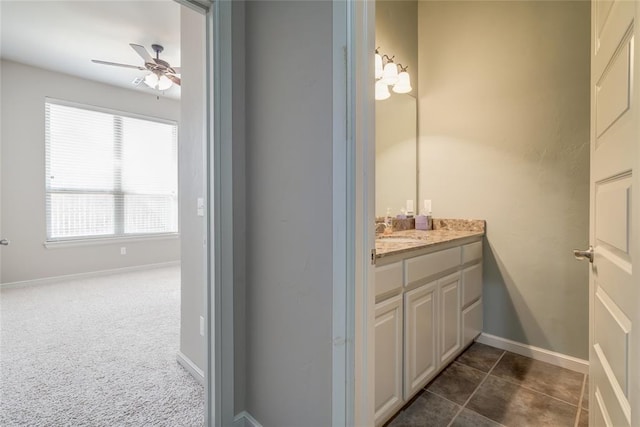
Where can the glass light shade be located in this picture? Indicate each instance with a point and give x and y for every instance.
(390, 73)
(404, 83)
(379, 69)
(164, 83)
(151, 80)
(382, 91)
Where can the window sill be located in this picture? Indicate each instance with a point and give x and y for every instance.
(108, 240)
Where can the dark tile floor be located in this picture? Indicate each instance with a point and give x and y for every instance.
(488, 387)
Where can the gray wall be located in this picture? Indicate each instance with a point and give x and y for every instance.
(191, 171)
(504, 136)
(24, 89)
(289, 71)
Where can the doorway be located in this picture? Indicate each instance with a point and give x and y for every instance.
(202, 327)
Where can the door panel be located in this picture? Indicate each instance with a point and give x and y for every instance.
(612, 338)
(613, 91)
(614, 302)
(613, 207)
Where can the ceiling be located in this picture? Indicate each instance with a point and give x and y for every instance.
(64, 36)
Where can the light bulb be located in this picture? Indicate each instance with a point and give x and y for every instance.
(404, 83)
(379, 69)
(382, 91)
(390, 73)
(164, 83)
(151, 80)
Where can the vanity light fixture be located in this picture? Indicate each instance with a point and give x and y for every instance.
(382, 91)
(404, 82)
(386, 74)
(379, 69)
(390, 73)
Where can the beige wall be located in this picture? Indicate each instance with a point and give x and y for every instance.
(504, 136)
(23, 92)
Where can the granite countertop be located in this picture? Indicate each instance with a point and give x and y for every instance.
(445, 230)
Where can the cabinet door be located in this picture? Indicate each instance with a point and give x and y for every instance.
(388, 358)
(449, 316)
(471, 284)
(420, 355)
(472, 321)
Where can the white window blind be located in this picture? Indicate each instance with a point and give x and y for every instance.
(109, 174)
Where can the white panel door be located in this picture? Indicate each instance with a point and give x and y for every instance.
(615, 137)
(420, 351)
(388, 358)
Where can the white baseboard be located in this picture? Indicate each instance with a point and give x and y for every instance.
(537, 353)
(244, 419)
(191, 367)
(56, 279)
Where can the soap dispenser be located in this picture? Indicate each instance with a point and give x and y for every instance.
(424, 220)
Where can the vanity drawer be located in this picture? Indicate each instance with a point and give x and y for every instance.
(471, 284)
(419, 268)
(471, 252)
(388, 278)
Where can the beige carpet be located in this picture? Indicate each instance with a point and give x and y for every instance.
(96, 352)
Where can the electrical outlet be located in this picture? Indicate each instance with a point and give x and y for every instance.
(201, 326)
(123, 251)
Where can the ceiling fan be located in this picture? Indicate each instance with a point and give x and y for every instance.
(162, 75)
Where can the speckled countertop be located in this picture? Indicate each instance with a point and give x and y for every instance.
(445, 230)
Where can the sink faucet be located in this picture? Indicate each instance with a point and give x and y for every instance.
(384, 228)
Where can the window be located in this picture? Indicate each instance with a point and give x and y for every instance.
(109, 174)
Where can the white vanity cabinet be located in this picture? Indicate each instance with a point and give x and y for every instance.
(428, 309)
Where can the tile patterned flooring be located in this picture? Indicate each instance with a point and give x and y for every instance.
(488, 387)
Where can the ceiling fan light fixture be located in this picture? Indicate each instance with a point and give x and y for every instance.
(151, 80)
(164, 83)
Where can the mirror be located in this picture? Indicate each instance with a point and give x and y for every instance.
(396, 117)
(396, 158)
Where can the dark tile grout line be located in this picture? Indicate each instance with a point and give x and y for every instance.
(476, 389)
(584, 383)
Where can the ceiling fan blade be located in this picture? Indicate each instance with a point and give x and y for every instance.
(137, 67)
(174, 79)
(176, 70)
(142, 51)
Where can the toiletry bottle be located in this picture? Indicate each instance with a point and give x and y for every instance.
(421, 221)
(388, 222)
(427, 208)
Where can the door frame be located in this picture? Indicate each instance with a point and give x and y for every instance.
(219, 367)
(353, 213)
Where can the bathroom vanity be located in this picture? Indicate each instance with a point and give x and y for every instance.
(428, 287)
